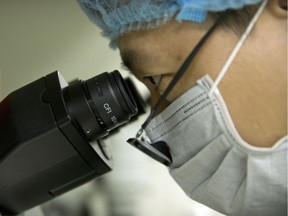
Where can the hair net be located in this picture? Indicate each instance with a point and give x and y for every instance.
(116, 17)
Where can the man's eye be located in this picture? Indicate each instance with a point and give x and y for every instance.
(151, 80)
(154, 79)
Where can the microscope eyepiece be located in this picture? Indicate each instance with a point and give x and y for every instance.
(100, 104)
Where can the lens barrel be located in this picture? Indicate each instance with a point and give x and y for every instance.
(100, 104)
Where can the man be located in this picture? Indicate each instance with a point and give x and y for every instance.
(233, 162)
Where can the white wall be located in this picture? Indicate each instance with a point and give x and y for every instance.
(40, 36)
(0, 83)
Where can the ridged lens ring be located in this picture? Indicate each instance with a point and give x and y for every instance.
(100, 104)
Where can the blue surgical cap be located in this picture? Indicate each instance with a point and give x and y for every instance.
(116, 17)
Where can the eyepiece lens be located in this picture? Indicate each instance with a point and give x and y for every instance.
(100, 104)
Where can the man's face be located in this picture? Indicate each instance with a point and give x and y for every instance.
(247, 86)
(162, 51)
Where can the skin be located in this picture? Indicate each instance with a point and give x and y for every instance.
(254, 88)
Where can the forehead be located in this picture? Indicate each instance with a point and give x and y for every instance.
(159, 47)
(139, 51)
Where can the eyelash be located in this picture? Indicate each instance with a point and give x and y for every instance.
(155, 80)
(151, 80)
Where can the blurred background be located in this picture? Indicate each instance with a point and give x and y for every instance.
(38, 37)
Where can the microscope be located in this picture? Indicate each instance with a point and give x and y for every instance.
(51, 135)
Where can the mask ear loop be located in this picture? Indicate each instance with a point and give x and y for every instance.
(180, 72)
(237, 48)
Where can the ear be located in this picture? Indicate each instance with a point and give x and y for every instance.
(278, 8)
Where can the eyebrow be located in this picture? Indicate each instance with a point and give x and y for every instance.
(131, 58)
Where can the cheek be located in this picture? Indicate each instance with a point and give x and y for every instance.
(182, 85)
(165, 81)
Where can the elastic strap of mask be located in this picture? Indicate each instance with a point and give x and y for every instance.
(237, 47)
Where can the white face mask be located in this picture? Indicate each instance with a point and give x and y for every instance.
(211, 162)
